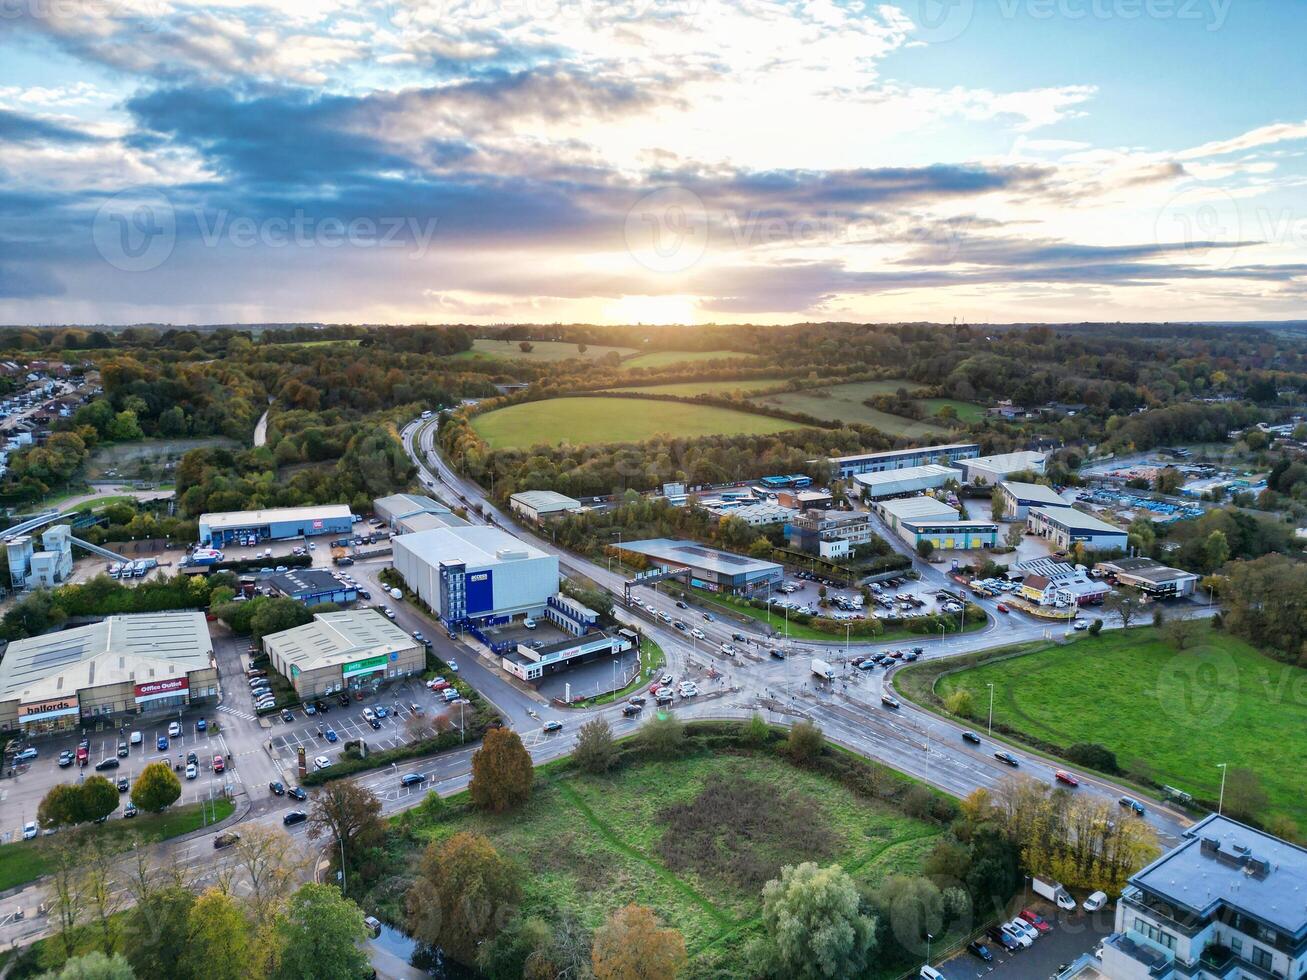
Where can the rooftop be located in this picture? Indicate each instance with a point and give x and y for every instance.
(919, 508)
(338, 638)
(399, 505)
(890, 453)
(923, 472)
(545, 500)
(473, 545)
(696, 555)
(1148, 569)
(1221, 861)
(300, 580)
(119, 649)
(251, 518)
(426, 520)
(1035, 493)
(1010, 462)
(1071, 518)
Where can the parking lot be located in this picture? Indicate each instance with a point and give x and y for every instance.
(900, 597)
(1071, 936)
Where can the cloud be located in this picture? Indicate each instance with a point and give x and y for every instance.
(17, 127)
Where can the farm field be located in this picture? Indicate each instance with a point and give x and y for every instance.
(653, 834)
(541, 350)
(688, 389)
(601, 420)
(662, 358)
(1172, 714)
(844, 403)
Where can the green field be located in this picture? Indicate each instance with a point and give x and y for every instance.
(688, 389)
(1170, 714)
(652, 834)
(967, 411)
(600, 420)
(662, 358)
(541, 350)
(844, 403)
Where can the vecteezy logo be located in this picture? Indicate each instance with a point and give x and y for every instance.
(667, 230)
(1198, 688)
(1205, 221)
(939, 20)
(135, 231)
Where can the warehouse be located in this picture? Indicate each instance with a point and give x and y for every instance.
(536, 505)
(426, 520)
(314, 586)
(476, 575)
(805, 499)
(900, 459)
(1018, 498)
(990, 470)
(1150, 577)
(917, 519)
(349, 649)
(399, 506)
(532, 663)
(920, 507)
(709, 568)
(1065, 526)
(251, 526)
(108, 671)
(910, 479)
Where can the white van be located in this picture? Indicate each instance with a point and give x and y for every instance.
(529, 623)
(930, 973)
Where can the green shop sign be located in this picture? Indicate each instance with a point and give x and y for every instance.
(364, 666)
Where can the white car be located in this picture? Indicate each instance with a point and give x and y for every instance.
(1018, 937)
(191, 770)
(174, 729)
(1095, 902)
(390, 613)
(29, 831)
(369, 714)
(698, 634)
(136, 738)
(1023, 927)
(321, 762)
(529, 623)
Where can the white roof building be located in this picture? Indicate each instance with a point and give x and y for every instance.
(910, 479)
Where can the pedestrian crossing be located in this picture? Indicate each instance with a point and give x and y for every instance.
(236, 713)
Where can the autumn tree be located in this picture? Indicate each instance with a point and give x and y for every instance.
(347, 813)
(502, 772)
(156, 930)
(1182, 633)
(94, 965)
(218, 944)
(463, 895)
(633, 945)
(1125, 605)
(270, 862)
(595, 750)
(805, 741)
(814, 925)
(156, 788)
(99, 798)
(61, 806)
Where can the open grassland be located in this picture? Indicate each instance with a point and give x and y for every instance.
(1173, 715)
(688, 389)
(601, 420)
(343, 342)
(662, 358)
(843, 403)
(541, 350)
(967, 411)
(695, 839)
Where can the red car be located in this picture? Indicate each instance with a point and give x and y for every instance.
(1036, 920)
(1001, 608)
(218, 764)
(83, 755)
(1062, 776)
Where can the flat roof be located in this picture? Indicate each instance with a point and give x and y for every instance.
(908, 473)
(1221, 861)
(136, 648)
(474, 545)
(916, 522)
(889, 453)
(426, 520)
(695, 555)
(1008, 462)
(406, 504)
(920, 507)
(337, 638)
(253, 518)
(299, 580)
(1034, 493)
(545, 500)
(1078, 520)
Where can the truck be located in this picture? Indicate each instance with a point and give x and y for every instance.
(1054, 892)
(823, 670)
(205, 556)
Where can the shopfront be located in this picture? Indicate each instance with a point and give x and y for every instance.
(166, 695)
(54, 715)
(365, 673)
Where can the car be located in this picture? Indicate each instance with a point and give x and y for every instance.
(161, 743)
(27, 755)
(1062, 776)
(1024, 941)
(529, 623)
(665, 679)
(681, 605)
(636, 699)
(225, 840)
(192, 770)
(699, 634)
(972, 737)
(310, 709)
(979, 950)
(1094, 902)
(277, 788)
(738, 637)
(297, 793)
(123, 784)
(681, 626)
(344, 700)
(412, 779)
(106, 764)
(928, 972)
(83, 755)
(382, 711)
(29, 831)
(390, 613)
(66, 758)
(174, 729)
(201, 725)
(778, 654)
(889, 701)
(867, 664)
(287, 716)
(321, 762)
(369, 714)
(553, 726)
(1036, 920)
(1007, 758)
(323, 706)
(1080, 625)
(122, 749)
(136, 738)
(294, 817)
(1023, 928)
(453, 665)
(129, 810)
(630, 710)
(218, 764)
(1133, 805)
(331, 735)
(376, 725)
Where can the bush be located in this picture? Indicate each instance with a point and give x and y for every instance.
(1093, 756)
(805, 742)
(1095, 627)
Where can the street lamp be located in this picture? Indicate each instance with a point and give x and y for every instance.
(1220, 803)
(991, 708)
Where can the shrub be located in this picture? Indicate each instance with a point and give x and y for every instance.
(1093, 756)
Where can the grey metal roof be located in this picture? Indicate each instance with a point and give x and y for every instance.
(696, 555)
(1034, 493)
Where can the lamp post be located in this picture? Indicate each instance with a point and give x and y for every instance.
(344, 883)
(847, 629)
(1220, 803)
(991, 708)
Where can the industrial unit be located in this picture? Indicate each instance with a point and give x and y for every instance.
(1066, 526)
(236, 527)
(476, 575)
(399, 506)
(709, 568)
(898, 459)
(314, 586)
(830, 534)
(990, 470)
(909, 479)
(922, 518)
(1151, 577)
(536, 505)
(805, 499)
(1018, 498)
(343, 650)
(44, 569)
(120, 667)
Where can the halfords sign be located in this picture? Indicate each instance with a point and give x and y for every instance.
(154, 690)
(54, 708)
(364, 666)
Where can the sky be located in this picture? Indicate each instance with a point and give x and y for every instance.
(651, 161)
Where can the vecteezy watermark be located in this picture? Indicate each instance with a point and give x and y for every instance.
(667, 230)
(1199, 687)
(135, 231)
(143, 14)
(937, 21)
(1206, 221)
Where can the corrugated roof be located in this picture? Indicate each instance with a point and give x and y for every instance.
(252, 518)
(338, 638)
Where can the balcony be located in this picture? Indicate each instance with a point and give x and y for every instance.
(1222, 962)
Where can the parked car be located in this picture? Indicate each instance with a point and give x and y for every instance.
(192, 771)
(66, 758)
(277, 788)
(129, 810)
(331, 735)
(123, 784)
(1024, 941)
(161, 743)
(136, 738)
(296, 793)
(174, 729)
(27, 755)
(29, 831)
(122, 749)
(1023, 928)
(218, 764)
(106, 764)
(980, 950)
(287, 716)
(1036, 920)
(321, 762)
(294, 817)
